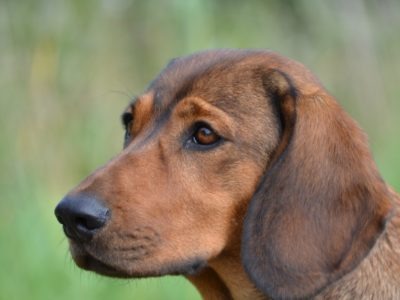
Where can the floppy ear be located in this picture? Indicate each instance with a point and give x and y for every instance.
(321, 204)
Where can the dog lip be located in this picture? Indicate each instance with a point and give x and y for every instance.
(100, 267)
(95, 265)
(90, 263)
(190, 268)
(195, 267)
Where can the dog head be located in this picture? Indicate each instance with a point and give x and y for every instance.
(224, 148)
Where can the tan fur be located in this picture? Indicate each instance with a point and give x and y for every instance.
(175, 209)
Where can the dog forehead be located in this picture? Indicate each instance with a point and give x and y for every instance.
(203, 72)
(232, 80)
(179, 71)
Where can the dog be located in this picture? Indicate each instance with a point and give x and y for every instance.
(242, 173)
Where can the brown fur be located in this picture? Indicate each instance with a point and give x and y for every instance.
(289, 205)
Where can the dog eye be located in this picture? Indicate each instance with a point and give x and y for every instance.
(127, 119)
(204, 135)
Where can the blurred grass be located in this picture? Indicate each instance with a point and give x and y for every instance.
(68, 68)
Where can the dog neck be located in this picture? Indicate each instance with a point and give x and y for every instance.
(225, 279)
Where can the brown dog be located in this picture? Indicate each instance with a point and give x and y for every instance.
(242, 173)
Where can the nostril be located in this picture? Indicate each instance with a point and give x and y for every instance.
(81, 222)
(90, 223)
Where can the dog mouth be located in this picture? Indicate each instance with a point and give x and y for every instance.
(138, 269)
(88, 262)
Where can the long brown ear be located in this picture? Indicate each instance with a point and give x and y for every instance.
(321, 204)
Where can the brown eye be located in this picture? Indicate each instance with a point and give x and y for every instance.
(204, 135)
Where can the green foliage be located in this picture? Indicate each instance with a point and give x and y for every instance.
(68, 68)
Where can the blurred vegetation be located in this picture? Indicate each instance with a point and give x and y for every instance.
(69, 67)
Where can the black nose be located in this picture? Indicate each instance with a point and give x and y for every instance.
(81, 216)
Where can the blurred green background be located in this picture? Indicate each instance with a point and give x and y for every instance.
(68, 68)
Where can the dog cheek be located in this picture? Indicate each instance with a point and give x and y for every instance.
(239, 176)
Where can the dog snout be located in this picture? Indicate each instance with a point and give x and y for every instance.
(82, 216)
